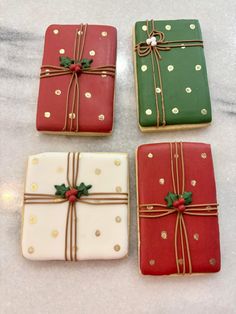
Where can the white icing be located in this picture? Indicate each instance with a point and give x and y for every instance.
(50, 170)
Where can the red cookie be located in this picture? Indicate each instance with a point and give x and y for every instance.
(77, 79)
(177, 209)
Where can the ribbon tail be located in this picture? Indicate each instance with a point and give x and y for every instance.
(176, 243)
(67, 101)
(66, 230)
(182, 242)
(75, 232)
(187, 245)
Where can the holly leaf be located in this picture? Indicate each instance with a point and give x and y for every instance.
(66, 62)
(170, 199)
(61, 189)
(86, 63)
(83, 189)
(187, 198)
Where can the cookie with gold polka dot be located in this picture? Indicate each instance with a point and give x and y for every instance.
(170, 74)
(76, 92)
(177, 210)
(76, 207)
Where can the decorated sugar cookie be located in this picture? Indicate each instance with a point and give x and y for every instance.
(170, 75)
(76, 207)
(77, 80)
(177, 209)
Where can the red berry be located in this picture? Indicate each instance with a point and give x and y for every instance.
(181, 208)
(72, 67)
(78, 68)
(72, 198)
(181, 201)
(68, 193)
(73, 192)
(176, 203)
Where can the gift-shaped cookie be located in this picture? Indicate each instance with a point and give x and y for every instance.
(76, 206)
(171, 76)
(77, 80)
(177, 209)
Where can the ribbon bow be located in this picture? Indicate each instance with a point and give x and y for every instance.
(75, 69)
(178, 203)
(74, 194)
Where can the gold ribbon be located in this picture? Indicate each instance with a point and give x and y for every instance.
(74, 86)
(160, 210)
(143, 50)
(105, 198)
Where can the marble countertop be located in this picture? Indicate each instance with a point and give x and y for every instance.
(111, 286)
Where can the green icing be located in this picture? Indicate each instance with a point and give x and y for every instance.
(175, 82)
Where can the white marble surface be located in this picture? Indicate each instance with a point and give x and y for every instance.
(114, 286)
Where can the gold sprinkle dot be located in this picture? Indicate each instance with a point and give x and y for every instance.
(188, 90)
(34, 187)
(180, 261)
(62, 51)
(55, 31)
(192, 26)
(104, 34)
(31, 250)
(54, 233)
(104, 74)
(212, 261)
(196, 236)
(118, 219)
(150, 155)
(92, 53)
(204, 155)
(175, 110)
(101, 117)
(117, 162)
(144, 28)
(35, 161)
(162, 181)
(33, 219)
(117, 247)
(118, 189)
(183, 46)
(193, 182)
(198, 67)
(144, 67)
(204, 112)
(168, 27)
(72, 115)
(152, 262)
(98, 171)
(158, 90)
(170, 68)
(47, 114)
(150, 207)
(60, 169)
(58, 92)
(164, 235)
(148, 112)
(88, 95)
(97, 233)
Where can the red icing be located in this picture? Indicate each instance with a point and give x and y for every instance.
(102, 89)
(152, 245)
